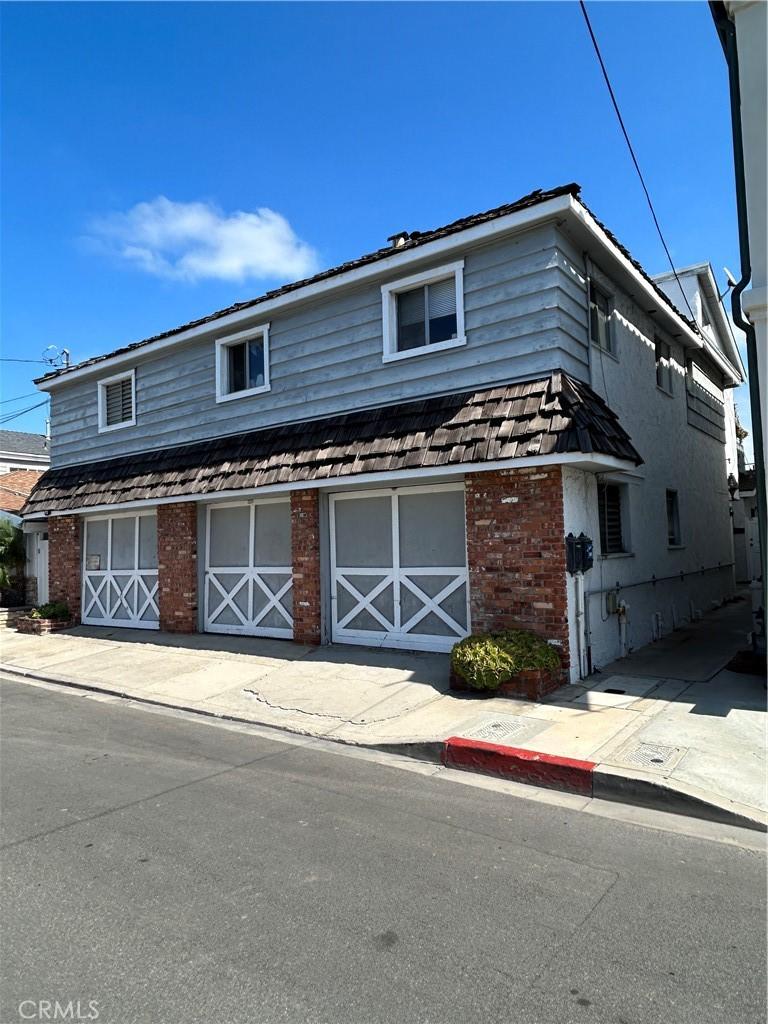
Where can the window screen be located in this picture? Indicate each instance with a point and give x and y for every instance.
(118, 401)
(123, 543)
(427, 315)
(96, 555)
(610, 512)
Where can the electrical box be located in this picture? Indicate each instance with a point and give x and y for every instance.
(579, 553)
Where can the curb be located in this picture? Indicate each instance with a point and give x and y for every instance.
(592, 780)
(516, 764)
(519, 765)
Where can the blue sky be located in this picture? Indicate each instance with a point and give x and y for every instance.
(141, 142)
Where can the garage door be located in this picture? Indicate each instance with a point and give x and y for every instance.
(399, 568)
(120, 571)
(248, 580)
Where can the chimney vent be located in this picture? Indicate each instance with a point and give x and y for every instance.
(399, 239)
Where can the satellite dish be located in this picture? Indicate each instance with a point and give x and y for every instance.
(731, 279)
(53, 357)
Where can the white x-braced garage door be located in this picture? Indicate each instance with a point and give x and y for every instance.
(399, 568)
(120, 571)
(248, 578)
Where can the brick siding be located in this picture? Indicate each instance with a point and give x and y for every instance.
(64, 561)
(305, 547)
(177, 566)
(516, 553)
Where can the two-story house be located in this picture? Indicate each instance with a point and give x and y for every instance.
(392, 452)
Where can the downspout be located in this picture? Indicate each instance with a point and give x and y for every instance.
(727, 32)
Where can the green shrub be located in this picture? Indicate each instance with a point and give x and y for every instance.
(487, 660)
(53, 610)
(11, 552)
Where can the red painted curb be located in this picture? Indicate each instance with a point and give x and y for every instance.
(529, 766)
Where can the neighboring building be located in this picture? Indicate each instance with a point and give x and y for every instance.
(15, 487)
(746, 539)
(19, 450)
(392, 453)
(23, 459)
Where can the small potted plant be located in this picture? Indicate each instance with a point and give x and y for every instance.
(46, 618)
(510, 663)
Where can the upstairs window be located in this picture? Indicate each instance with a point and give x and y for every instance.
(663, 366)
(600, 318)
(117, 401)
(242, 364)
(673, 520)
(610, 504)
(424, 313)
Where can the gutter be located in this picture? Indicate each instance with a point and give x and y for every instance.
(726, 30)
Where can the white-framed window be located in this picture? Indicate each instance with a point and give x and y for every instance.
(612, 512)
(674, 537)
(600, 318)
(424, 313)
(117, 401)
(663, 365)
(242, 364)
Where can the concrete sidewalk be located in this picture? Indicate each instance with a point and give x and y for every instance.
(704, 737)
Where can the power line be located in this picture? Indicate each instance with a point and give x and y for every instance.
(10, 401)
(634, 158)
(15, 415)
(44, 361)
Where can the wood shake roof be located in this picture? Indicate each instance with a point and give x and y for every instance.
(554, 414)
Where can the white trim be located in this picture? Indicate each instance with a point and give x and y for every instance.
(379, 268)
(389, 293)
(589, 462)
(222, 344)
(102, 401)
(23, 457)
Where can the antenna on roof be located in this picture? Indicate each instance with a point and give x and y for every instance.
(732, 282)
(53, 357)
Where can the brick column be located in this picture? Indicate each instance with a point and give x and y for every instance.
(305, 550)
(64, 561)
(516, 553)
(177, 566)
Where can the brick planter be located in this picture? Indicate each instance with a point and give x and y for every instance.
(531, 684)
(38, 627)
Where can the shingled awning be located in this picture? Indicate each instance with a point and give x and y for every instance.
(552, 415)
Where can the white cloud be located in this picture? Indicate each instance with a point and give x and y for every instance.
(193, 241)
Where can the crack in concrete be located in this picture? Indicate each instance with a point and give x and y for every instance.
(354, 720)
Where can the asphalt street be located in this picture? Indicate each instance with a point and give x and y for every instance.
(172, 871)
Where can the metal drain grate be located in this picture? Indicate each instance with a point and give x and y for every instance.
(652, 755)
(505, 727)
